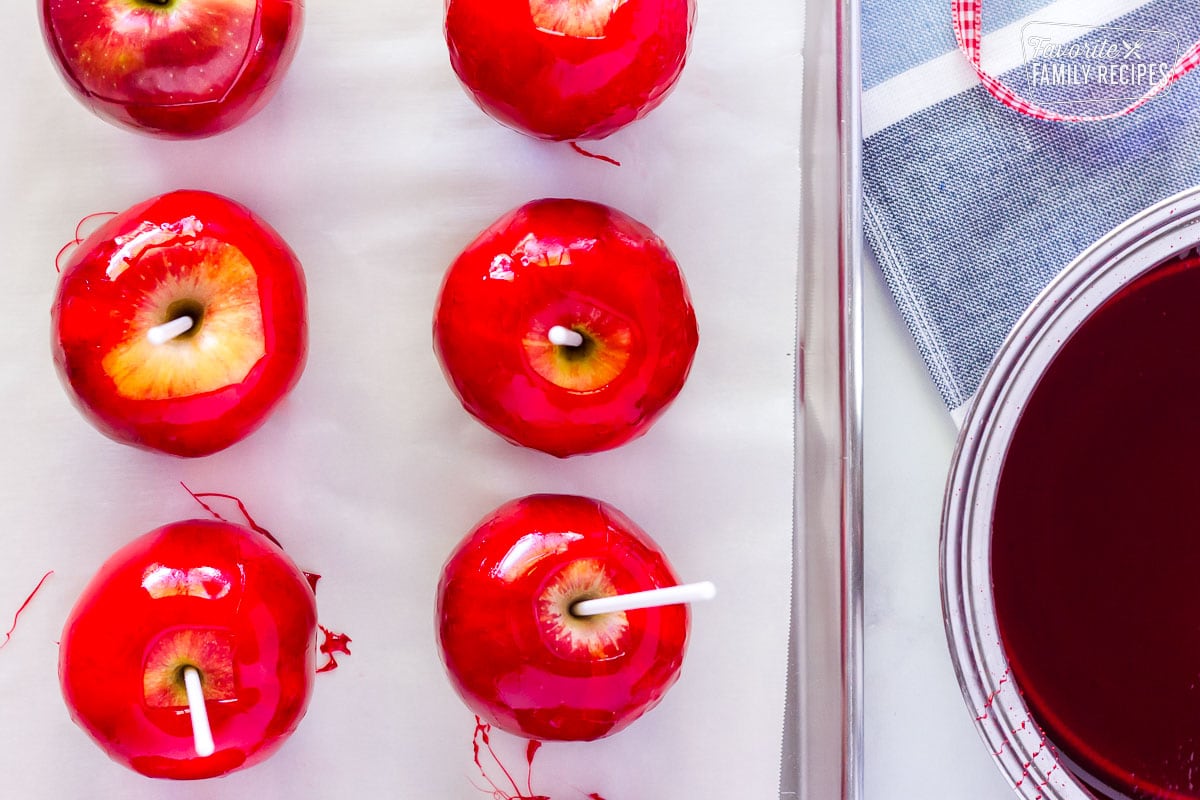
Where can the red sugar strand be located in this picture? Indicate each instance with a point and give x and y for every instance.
(482, 736)
(606, 159)
(241, 507)
(17, 616)
(78, 240)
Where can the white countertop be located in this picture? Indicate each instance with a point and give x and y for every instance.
(920, 738)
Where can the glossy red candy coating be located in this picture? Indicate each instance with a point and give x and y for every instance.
(568, 69)
(575, 264)
(173, 68)
(156, 242)
(506, 663)
(195, 575)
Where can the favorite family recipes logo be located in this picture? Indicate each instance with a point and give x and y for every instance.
(1094, 69)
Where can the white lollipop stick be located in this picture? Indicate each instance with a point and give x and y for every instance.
(671, 595)
(565, 337)
(169, 330)
(201, 732)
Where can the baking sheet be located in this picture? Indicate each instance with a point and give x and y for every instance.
(377, 169)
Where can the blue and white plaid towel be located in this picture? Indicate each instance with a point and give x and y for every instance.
(972, 208)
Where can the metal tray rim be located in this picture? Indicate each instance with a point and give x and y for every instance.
(823, 742)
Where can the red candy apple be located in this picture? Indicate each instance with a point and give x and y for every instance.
(176, 68)
(209, 271)
(204, 596)
(515, 650)
(566, 326)
(568, 69)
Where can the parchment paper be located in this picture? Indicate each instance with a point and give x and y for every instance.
(376, 167)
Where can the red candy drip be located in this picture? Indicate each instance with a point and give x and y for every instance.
(1044, 748)
(78, 240)
(991, 698)
(606, 159)
(530, 751)
(241, 507)
(481, 743)
(334, 643)
(312, 579)
(8, 634)
(483, 735)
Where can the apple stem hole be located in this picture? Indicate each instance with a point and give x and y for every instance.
(201, 730)
(653, 598)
